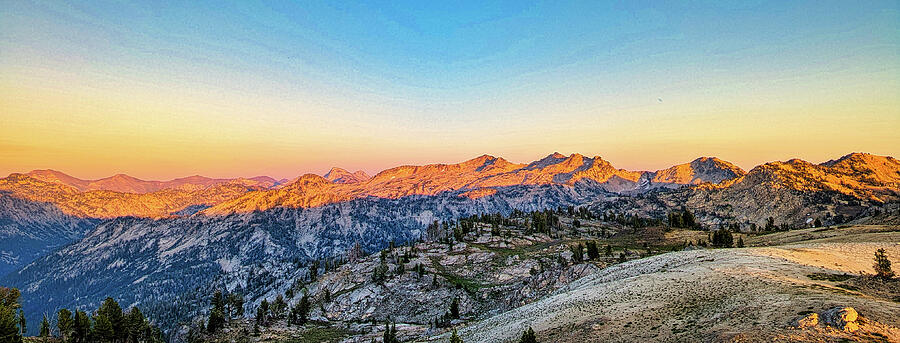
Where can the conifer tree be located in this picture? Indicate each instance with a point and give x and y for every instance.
(23, 328)
(111, 310)
(135, 324)
(592, 251)
(45, 327)
(454, 337)
(9, 331)
(262, 313)
(722, 238)
(236, 304)
(883, 265)
(688, 219)
(300, 311)
(770, 224)
(65, 323)
(390, 333)
(103, 329)
(314, 271)
(454, 309)
(216, 313)
(278, 308)
(528, 336)
(577, 253)
(82, 327)
(740, 242)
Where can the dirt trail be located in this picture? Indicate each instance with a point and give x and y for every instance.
(750, 294)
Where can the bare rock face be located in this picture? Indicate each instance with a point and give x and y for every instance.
(809, 321)
(843, 318)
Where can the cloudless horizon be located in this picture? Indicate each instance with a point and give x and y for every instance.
(171, 89)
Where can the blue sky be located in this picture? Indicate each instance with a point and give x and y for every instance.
(368, 85)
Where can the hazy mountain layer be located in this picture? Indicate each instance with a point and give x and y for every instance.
(109, 204)
(127, 184)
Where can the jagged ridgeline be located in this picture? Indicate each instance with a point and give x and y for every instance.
(167, 265)
(164, 248)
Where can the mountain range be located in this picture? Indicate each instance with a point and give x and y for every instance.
(166, 240)
(127, 184)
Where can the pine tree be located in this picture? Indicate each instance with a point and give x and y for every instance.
(883, 265)
(135, 324)
(454, 309)
(592, 251)
(314, 271)
(216, 319)
(82, 327)
(770, 224)
(278, 308)
(45, 327)
(262, 313)
(454, 337)
(103, 329)
(688, 219)
(300, 311)
(236, 304)
(420, 270)
(64, 323)
(22, 324)
(111, 310)
(740, 242)
(528, 336)
(9, 331)
(390, 333)
(577, 253)
(722, 238)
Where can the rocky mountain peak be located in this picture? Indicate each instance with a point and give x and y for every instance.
(699, 171)
(551, 159)
(341, 175)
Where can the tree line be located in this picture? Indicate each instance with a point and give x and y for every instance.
(108, 323)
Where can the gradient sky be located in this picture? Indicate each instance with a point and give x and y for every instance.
(159, 90)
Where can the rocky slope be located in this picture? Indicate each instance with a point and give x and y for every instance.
(795, 194)
(37, 216)
(29, 230)
(156, 260)
(798, 192)
(497, 266)
(746, 295)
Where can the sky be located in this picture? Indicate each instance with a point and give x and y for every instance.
(159, 89)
